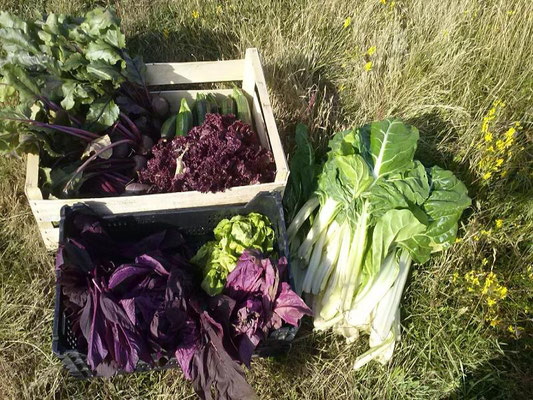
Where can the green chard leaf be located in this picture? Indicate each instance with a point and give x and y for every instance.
(391, 145)
(447, 201)
(402, 190)
(104, 71)
(303, 177)
(394, 227)
(98, 20)
(135, 69)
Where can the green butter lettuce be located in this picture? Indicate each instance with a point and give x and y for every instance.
(232, 236)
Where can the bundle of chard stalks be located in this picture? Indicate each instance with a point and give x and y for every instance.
(71, 93)
(359, 221)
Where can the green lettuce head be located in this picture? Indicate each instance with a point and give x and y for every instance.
(232, 236)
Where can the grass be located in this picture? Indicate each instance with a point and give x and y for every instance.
(440, 65)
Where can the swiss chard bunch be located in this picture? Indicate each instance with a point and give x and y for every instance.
(378, 210)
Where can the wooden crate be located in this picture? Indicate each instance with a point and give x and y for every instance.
(249, 73)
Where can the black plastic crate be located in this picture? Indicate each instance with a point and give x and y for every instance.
(197, 224)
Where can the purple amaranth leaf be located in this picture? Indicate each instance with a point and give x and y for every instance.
(212, 367)
(289, 306)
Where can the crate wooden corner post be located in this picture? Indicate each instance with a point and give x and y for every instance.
(254, 85)
(49, 233)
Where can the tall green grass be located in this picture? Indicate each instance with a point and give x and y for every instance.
(440, 65)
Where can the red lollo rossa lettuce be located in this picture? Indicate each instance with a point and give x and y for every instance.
(221, 153)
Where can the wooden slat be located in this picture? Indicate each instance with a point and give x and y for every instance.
(194, 72)
(260, 123)
(48, 210)
(282, 168)
(50, 238)
(31, 186)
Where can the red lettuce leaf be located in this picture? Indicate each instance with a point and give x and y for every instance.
(221, 153)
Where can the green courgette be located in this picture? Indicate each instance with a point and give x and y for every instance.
(200, 109)
(243, 107)
(212, 104)
(228, 106)
(168, 130)
(183, 119)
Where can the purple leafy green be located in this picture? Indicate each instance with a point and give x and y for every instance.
(262, 304)
(221, 153)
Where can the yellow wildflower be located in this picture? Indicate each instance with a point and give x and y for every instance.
(499, 162)
(503, 174)
(195, 14)
(500, 144)
(511, 329)
(368, 66)
(347, 22)
(485, 232)
(499, 223)
(383, 1)
(502, 291)
(494, 322)
(488, 137)
(476, 237)
(484, 262)
(371, 50)
(458, 240)
(487, 175)
(491, 302)
(392, 4)
(455, 276)
(509, 136)
(490, 149)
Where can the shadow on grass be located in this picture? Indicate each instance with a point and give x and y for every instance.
(509, 376)
(184, 44)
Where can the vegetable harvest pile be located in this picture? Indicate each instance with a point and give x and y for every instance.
(71, 93)
(140, 300)
(374, 212)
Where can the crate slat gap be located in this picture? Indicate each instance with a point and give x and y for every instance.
(248, 71)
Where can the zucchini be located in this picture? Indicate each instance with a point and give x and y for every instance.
(183, 119)
(212, 104)
(243, 107)
(168, 130)
(228, 106)
(200, 109)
